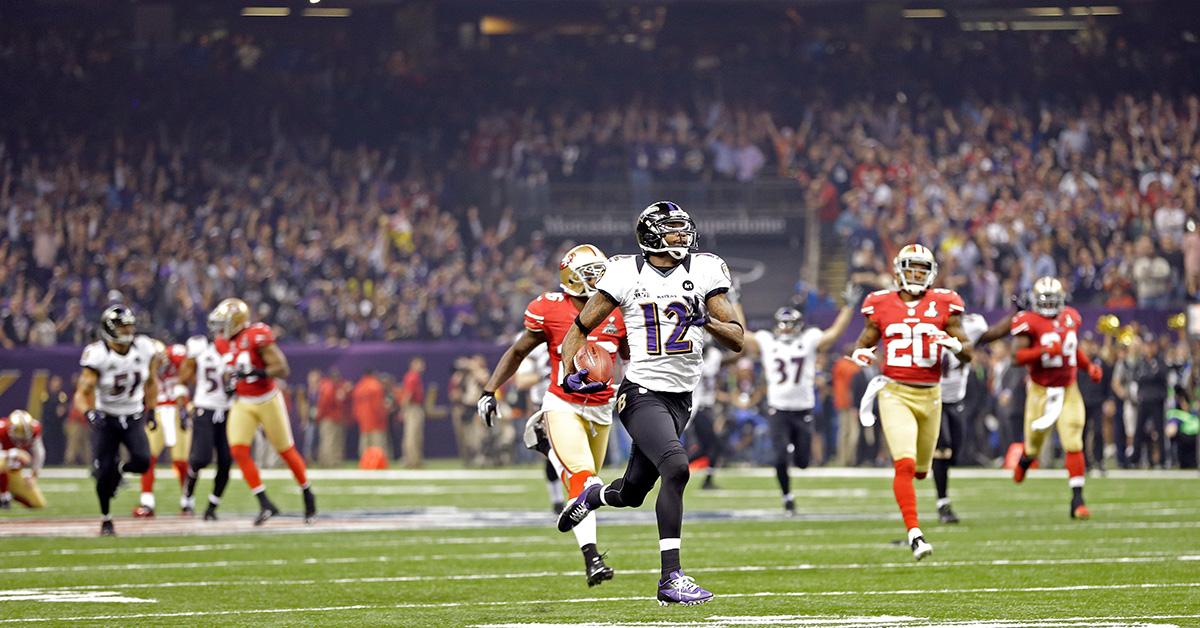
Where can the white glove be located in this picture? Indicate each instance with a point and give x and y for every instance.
(865, 356)
(954, 345)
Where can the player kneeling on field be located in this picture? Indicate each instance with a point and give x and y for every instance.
(23, 454)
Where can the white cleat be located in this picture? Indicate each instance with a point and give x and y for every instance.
(921, 548)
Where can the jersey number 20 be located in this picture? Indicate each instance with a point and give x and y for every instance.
(907, 345)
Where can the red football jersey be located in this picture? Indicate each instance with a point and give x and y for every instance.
(246, 348)
(553, 314)
(6, 441)
(908, 330)
(1051, 370)
(168, 374)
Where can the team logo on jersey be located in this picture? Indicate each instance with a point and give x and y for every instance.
(640, 293)
(725, 271)
(620, 404)
(932, 311)
(611, 327)
(688, 285)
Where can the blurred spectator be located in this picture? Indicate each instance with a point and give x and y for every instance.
(331, 419)
(368, 404)
(412, 404)
(78, 434)
(847, 408)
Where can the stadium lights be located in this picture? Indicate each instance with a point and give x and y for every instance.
(1045, 11)
(326, 13)
(1096, 10)
(266, 12)
(1048, 25)
(916, 14)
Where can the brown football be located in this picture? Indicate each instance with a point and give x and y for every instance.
(597, 361)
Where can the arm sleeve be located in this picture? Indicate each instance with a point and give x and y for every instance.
(1029, 355)
(1082, 359)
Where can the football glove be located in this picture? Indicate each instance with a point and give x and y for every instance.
(1020, 301)
(697, 312)
(954, 345)
(852, 294)
(151, 422)
(864, 356)
(94, 416)
(577, 382)
(487, 408)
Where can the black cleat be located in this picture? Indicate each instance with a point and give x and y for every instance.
(557, 507)
(946, 514)
(187, 511)
(709, 483)
(210, 513)
(789, 507)
(106, 529)
(310, 506)
(597, 571)
(578, 509)
(268, 511)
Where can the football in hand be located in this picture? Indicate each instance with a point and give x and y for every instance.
(597, 361)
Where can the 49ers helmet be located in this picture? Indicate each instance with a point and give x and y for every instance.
(1048, 296)
(659, 220)
(235, 313)
(580, 269)
(917, 261)
(22, 427)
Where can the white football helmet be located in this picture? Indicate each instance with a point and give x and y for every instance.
(580, 269)
(915, 269)
(1048, 297)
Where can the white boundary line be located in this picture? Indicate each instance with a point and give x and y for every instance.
(647, 600)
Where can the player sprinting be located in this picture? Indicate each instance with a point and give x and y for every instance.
(669, 296)
(167, 428)
(789, 357)
(573, 425)
(205, 367)
(915, 323)
(1047, 342)
(533, 376)
(20, 431)
(256, 361)
(117, 385)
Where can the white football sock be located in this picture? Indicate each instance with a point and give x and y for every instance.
(585, 532)
(148, 500)
(914, 533)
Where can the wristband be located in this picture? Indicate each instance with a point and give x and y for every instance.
(582, 328)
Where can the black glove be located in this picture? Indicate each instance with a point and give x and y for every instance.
(151, 422)
(185, 421)
(487, 408)
(94, 416)
(852, 295)
(246, 371)
(1020, 301)
(697, 312)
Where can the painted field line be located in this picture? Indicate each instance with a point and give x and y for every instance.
(593, 600)
(535, 473)
(1000, 562)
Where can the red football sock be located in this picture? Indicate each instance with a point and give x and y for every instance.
(296, 463)
(241, 453)
(1076, 466)
(181, 471)
(3, 482)
(575, 484)
(148, 479)
(906, 495)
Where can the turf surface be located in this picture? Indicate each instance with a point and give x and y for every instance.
(1016, 559)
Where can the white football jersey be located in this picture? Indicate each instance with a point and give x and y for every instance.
(538, 363)
(664, 356)
(954, 373)
(789, 364)
(706, 391)
(211, 365)
(120, 388)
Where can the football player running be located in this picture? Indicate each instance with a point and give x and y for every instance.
(533, 376)
(669, 296)
(205, 367)
(572, 427)
(256, 361)
(915, 324)
(20, 431)
(1047, 342)
(118, 384)
(789, 357)
(167, 429)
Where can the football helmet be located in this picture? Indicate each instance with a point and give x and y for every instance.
(788, 321)
(915, 269)
(113, 324)
(580, 269)
(1048, 296)
(661, 219)
(236, 315)
(22, 427)
(216, 323)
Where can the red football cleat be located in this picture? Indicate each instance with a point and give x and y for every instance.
(1081, 512)
(1019, 471)
(143, 512)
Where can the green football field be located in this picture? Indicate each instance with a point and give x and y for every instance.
(478, 548)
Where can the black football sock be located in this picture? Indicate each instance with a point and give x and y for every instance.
(670, 562)
(263, 502)
(785, 482)
(941, 476)
(1077, 495)
(1025, 462)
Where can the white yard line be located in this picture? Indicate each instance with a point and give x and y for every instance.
(640, 599)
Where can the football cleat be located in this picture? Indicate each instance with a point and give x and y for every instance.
(789, 507)
(920, 548)
(143, 512)
(946, 514)
(5, 502)
(557, 507)
(310, 506)
(709, 483)
(187, 511)
(1080, 511)
(106, 529)
(268, 511)
(681, 589)
(597, 571)
(577, 510)
(1019, 469)
(210, 513)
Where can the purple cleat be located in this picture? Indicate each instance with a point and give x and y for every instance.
(681, 589)
(577, 509)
